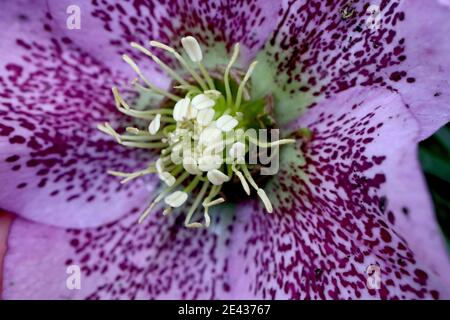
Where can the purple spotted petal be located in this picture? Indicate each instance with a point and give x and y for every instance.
(122, 260)
(52, 158)
(109, 26)
(349, 199)
(317, 51)
(344, 206)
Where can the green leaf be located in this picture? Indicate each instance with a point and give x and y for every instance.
(443, 136)
(434, 155)
(435, 164)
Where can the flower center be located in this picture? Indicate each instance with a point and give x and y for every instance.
(208, 132)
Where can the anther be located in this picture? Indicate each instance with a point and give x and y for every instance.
(182, 61)
(164, 66)
(227, 75)
(155, 124)
(157, 90)
(243, 83)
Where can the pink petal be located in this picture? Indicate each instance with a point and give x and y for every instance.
(122, 260)
(317, 53)
(108, 28)
(341, 215)
(53, 160)
(352, 197)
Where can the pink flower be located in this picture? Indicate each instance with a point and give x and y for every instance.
(349, 203)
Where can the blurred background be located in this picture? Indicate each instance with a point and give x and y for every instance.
(434, 155)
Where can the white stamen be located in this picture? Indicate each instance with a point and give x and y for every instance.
(194, 206)
(202, 101)
(132, 64)
(155, 124)
(161, 196)
(159, 165)
(133, 130)
(214, 202)
(242, 179)
(261, 193)
(265, 199)
(237, 150)
(181, 60)
(167, 211)
(118, 99)
(181, 109)
(209, 136)
(106, 128)
(141, 137)
(130, 176)
(270, 144)
(194, 51)
(157, 90)
(176, 199)
(192, 132)
(163, 46)
(213, 94)
(212, 193)
(217, 177)
(226, 123)
(214, 148)
(207, 203)
(145, 115)
(210, 162)
(249, 177)
(190, 165)
(192, 112)
(148, 114)
(175, 157)
(168, 179)
(207, 218)
(234, 56)
(192, 48)
(243, 83)
(143, 145)
(194, 225)
(188, 87)
(205, 116)
(165, 67)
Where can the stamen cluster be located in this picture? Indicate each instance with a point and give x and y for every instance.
(200, 136)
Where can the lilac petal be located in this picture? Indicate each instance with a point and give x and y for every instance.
(351, 197)
(122, 260)
(53, 160)
(109, 28)
(339, 210)
(315, 53)
(445, 3)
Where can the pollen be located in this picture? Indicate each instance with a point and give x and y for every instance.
(199, 133)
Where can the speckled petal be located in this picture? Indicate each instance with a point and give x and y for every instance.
(122, 260)
(53, 160)
(349, 201)
(320, 48)
(109, 26)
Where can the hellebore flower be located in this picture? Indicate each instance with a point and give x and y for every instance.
(351, 214)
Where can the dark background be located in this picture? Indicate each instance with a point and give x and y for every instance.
(434, 155)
